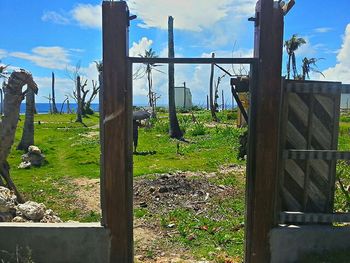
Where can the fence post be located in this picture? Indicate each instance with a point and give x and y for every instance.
(117, 132)
(263, 152)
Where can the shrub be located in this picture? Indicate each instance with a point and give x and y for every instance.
(161, 126)
(198, 129)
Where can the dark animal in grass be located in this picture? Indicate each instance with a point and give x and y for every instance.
(243, 146)
(138, 116)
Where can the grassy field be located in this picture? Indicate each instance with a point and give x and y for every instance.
(73, 151)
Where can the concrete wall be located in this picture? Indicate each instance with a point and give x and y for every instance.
(183, 97)
(58, 243)
(289, 243)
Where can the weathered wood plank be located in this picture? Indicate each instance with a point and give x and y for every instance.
(316, 155)
(192, 60)
(316, 218)
(263, 155)
(117, 132)
(313, 87)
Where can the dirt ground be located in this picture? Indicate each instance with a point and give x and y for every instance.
(160, 193)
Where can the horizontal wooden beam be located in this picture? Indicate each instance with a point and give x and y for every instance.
(299, 217)
(193, 60)
(316, 155)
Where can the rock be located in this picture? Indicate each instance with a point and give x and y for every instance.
(143, 204)
(33, 158)
(6, 217)
(7, 200)
(50, 217)
(24, 165)
(34, 149)
(163, 189)
(32, 210)
(19, 219)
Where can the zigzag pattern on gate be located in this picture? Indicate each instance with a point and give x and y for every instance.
(310, 121)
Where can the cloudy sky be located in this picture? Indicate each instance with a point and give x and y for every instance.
(56, 36)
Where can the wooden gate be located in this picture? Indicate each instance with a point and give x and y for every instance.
(310, 123)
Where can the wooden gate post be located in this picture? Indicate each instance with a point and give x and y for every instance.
(263, 152)
(116, 134)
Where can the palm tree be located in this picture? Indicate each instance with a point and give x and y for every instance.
(174, 131)
(148, 71)
(291, 46)
(309, 65)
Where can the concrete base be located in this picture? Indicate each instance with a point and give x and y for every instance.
(290, 242)
(58, 243)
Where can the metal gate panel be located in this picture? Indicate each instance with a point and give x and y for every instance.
(310, 121)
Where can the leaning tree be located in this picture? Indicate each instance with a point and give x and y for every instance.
(13, 96)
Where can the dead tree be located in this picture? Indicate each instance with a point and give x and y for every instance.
(79, 101)
(28, 128)
(54, 108)
(13, 96)
(211, 91)
(87, 105)
(174, 131)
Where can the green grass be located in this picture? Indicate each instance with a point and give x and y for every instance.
(73, 151)
(220, 231)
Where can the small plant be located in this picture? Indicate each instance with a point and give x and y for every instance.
(160, 126)
(198, 129)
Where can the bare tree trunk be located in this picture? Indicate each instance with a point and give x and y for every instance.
(223, 99)
(68, 107)
(174, 130)
(28, 128)
(13, 97)
(211, 92)
(54, 108)
(79, 109)
(207, 102)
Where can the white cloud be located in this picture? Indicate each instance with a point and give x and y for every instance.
(323, 29)
(88, 15)
(63, 86)
(341, 71)
(212, 21)
(47, 57)
(139, 48)
(55, 17)
(190, 15)
(140, 84)
(3, 53)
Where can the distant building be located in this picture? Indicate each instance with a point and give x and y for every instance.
(183, 97)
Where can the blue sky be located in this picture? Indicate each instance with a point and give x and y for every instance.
(45, 36)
